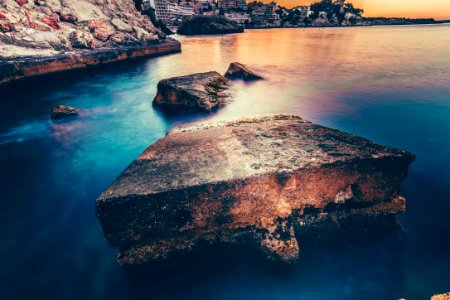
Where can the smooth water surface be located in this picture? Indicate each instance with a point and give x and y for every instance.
(389, 84)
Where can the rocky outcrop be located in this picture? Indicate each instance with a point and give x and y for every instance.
(209, 25)
(50, 28)
(239, 71)
(202, 91)
(263, 182)
(61, 24)
(445, 296)
(26, 67)
(63, 111)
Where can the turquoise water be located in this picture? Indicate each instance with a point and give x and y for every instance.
(389, 84)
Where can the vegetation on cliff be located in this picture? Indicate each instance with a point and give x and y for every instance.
(209, 25)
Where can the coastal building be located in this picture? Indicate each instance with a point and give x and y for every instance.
(258, 15)
(233, 5)
(241, 18)
(270, 15)
(161, 10)
(305, 11)
(178, 12)
(200, 7)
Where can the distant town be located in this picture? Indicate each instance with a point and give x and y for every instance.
(172, 13)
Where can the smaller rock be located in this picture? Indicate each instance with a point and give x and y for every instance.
(239, 71)
(100, 30)
(52, 21)
(81, 40)
(121, 25)
(21, 2)
(6, 26)
(203, 91)
(445, 296)
(63, 111)
(68, 16)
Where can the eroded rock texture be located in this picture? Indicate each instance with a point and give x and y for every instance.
(46, 27)
(202, 91)
(261, 182)
(48, 36)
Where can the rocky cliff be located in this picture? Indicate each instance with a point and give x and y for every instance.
(40, 27)
(66, 30)
(266, 182)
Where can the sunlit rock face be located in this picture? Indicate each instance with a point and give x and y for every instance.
(45, 27)
(263, 182)
(200, 91)
(445, 296)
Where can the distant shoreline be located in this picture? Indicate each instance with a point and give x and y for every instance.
(347, 26)
(375, 22)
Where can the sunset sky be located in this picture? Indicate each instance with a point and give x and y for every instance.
(438, 9)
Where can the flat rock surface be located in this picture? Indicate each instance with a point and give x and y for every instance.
(263, 178)
(203, 91)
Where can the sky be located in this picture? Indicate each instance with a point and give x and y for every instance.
(438, 9)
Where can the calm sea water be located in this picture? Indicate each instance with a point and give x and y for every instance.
(389, 84)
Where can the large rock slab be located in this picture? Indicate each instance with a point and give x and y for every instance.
(260, 182)
(202, 91)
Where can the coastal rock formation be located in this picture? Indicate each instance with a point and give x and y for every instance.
(263, 182)
(445, 296)
(45, 36)
(63, 111)
(239, 71)
(57, 25)
(203, 91)
(209, 25)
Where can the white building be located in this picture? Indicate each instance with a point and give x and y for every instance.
(161, 10)
(233, 5)
(305, 10)
(179, 11)
(241, 18)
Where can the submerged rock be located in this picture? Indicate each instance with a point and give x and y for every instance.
(239, 71)
(261, 182)
(64, 111)
(203, 91)
(209, 25)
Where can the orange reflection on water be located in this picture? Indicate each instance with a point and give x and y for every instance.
(309, 70)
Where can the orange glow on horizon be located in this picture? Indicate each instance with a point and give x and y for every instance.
(438, 9)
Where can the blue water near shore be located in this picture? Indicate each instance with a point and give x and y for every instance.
(389, 84)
